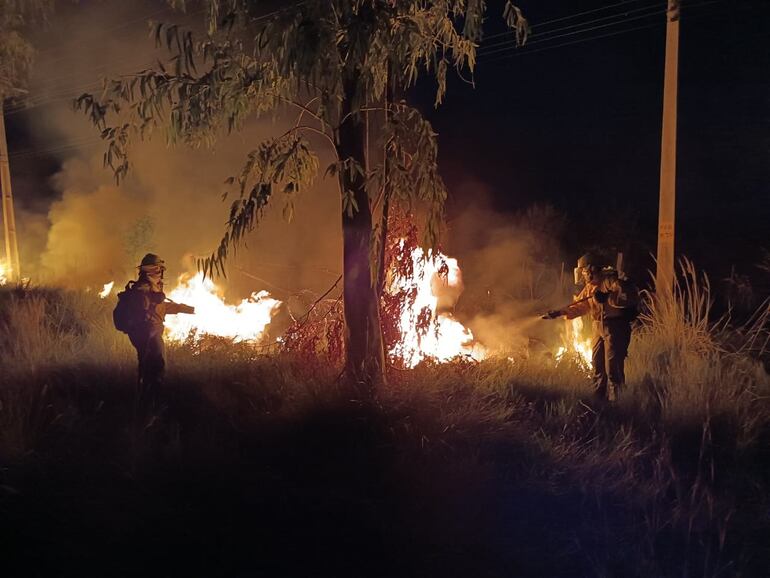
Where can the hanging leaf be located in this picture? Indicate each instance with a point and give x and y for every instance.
(301, 55)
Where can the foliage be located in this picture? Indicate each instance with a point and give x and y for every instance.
(317, 336)
(687, 365)
(16, 52)
(332, 62)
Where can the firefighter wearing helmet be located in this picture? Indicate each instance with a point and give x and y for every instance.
(612, 303)
(147, 334)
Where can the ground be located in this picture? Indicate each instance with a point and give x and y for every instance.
(253, 465)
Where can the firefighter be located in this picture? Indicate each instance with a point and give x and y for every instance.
(147, 335)
(612, 302)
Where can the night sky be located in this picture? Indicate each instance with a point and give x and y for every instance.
(573, 120)
(579, 126)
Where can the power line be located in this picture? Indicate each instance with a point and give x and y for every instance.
(103, 33)
(53, 80)
(65, 92)
(509, 54)
(570, 27)
(73, 91)
(511, 51)
(65, 146)
(579, 41)
(581, 31)
(568, 17)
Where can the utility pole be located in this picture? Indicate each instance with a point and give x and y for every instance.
(667, 206)
(9, 221)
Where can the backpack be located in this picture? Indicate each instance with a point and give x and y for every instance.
(631, 290)
(130, 314)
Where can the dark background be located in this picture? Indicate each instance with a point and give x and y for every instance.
(579, 127)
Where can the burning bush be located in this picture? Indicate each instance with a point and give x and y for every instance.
(411, 284)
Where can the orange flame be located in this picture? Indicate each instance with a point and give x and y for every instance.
(246, 321)
(578, 347)
(447, 338)
(106, 290)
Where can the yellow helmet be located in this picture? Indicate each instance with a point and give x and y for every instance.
(152, 259)
(586, 261)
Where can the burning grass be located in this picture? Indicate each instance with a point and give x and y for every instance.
(251, 463)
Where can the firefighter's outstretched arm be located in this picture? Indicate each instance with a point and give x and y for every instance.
(172, 308)
(575, 309)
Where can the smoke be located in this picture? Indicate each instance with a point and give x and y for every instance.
(171, 204)
(86, 239)
(512, 270)
(93, 231)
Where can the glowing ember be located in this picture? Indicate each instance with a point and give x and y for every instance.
(446, 337)
(243, 322)
(104, 293)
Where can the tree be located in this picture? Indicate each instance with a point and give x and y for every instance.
(334, 61)
(16, 51)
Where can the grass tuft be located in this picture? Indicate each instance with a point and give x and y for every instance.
(246, 463)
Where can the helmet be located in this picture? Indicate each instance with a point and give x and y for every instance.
(151, 259)
(586, 261)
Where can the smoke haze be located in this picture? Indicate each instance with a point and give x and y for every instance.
(512, 269)
(171, 204)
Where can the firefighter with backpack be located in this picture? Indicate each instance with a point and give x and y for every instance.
(140, 312)
(612, 301)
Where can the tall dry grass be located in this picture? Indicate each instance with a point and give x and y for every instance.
(513, 453)
(693, 367)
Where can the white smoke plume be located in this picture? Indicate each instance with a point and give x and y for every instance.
(513, 270)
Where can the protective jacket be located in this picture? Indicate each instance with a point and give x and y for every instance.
(612, 304)
(147, 338)
(156, 306)
(621, 303)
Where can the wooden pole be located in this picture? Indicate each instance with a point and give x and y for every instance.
(9, 221)
(667, 207)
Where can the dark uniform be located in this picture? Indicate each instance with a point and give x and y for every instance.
(147, 338)
(612, 304)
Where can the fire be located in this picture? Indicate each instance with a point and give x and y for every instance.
(4, 272)
(243, 322)
(105, 292)
(580, 348)
(446, 338)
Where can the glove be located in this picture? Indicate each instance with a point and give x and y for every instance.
(553, 314)
(601, 296)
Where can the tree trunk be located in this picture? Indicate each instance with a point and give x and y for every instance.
(365, 354)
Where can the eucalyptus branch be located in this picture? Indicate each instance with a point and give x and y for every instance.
(362, 109)
(304, 108)
(298, 128)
